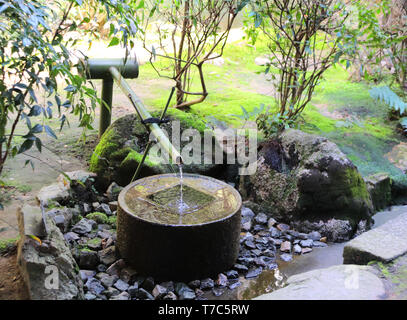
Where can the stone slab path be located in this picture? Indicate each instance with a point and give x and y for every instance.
(384, 243)
(344, 282)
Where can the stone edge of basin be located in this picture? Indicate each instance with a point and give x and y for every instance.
(384, 243)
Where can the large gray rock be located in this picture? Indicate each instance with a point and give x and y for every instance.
(384, 243)
(379, 187)
(121, 148)
(303, 177)
(49, 270)
(343, 282)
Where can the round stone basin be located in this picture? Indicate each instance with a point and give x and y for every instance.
(157, 240)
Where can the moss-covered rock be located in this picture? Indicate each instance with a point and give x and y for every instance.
(303, 177)
(121, 149)
(379, 187)
(98, 217)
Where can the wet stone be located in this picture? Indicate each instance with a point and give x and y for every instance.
(184, 292)
(148, 284)
(283, 227)
(159, 291)
(233, 285)
(246, 212)
(143, 294)
(121, 285)
(257, 252)
(271, 222)
(261, 218)
(297, 249)
(115, 268)
(222, 280)
(261, 246)
(94, 286)
(274, 232)
(87, 208)
(306, 243)
(107, 256)
(206, 284)
(269, 252)
(217, 292)
(286, 257)
(285, 246)
(121, 296)
(107, 280)
(262, 240)
(84, 226)
(170, 296)
(258, 228)
(247, 226)
(240, 267)
(314, 235)
(253, 273)
(194, 284)
(276, 242)
(133, 290)
(110, 292)
(169, 285)
(232, 274)
(71, 236)
(90, 296)
(105, 209)
(88, 259)
(250, 244)
(101, 268)
(319, 244)
(306, 250)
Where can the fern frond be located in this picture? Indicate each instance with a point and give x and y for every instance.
(388, 96)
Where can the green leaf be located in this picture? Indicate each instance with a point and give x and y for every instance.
(114, 42)
(49, 131)
(27, 144)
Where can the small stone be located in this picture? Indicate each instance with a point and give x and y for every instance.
(90, 296)
(232, 274)
(107, 256)
(261, 218)
(88, 259)
(256, 252)
(246, 212)
(306, 243)
(104, 208)
(319, 244)
(86, 274)
(217, 292)
(101, 268)
(121, 285)
(94, 286)
(110, 292)
(95, 244)
(199, 292)
(247, 226)
(148, 284)
(206, 284)
(250, 244)
(169, 285)
(122, 296)
(314, 235)
(143, 294)
(287, 237)
(84, 226)
(297, 249)
(159, 291)
(115, 268)
(87, 208)
(234, 285)
(107, 280)
(269, 253)
(170, 296)
(271, 222)
(323, 239)
(71, 236)
(107, 242)
(184, 292)
(258, 228)
(132, 290)
(285, 246)
(128, 274)
(283, 227)
(95, 205)
(222, 280)
(305, 250)
(286, 257)
(194, 284)
(274, 232)
(253, 273)
(240, 267)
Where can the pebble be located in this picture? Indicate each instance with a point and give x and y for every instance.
(305, 250)
(283, 227)
(297, 249)
(110, 292)
(285, 246)
(170, 296)
(240, 267)
(148, 284)
(142, 294)
(234, 284)
(88, 259)
(222, 280)
(271, 222)
(90, 296)
(169, 285)
(106, 279)
(323, 239)
(71, 236)
(86, 274)
(314, 235)
(306, 243)
(115, 268)
(319, 244)
(246, 212)
(107, 256)
(247, 226)
(104, 208)
(132, 290)
(217, 292)
(94, 286)
(250, 244)
(121, 296)
(232, 274)
(286, 257)
(274, 232)
(253, 273)
(121, 285)
(184, 292)
(261, 218)
(159, 291)
(194, 284)
(206, 284)
(84, 226)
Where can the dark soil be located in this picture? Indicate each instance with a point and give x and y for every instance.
(12, 285)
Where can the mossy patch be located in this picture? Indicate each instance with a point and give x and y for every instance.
(7, 244)
(98, 217)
